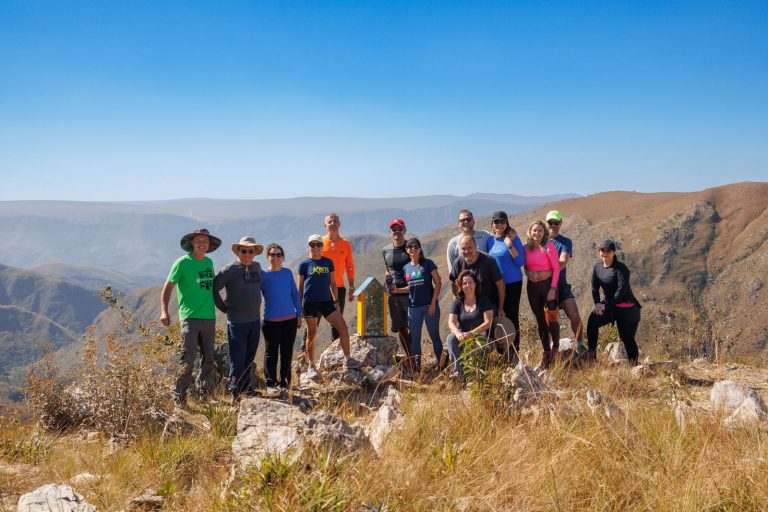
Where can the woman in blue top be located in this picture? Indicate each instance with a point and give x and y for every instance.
(317, 287)
(423, 291)
(507, 249)
(282, 317)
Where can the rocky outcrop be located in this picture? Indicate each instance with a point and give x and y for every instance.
(54, 497)
(740, 404)
(388, 419)
(371, 352)
(527, 387)
(267, 427)
(603, 405)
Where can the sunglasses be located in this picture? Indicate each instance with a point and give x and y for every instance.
(466, 219)
(275, 254)
(247, 251)
(396, 228)
(413, 246)
(554, 222)
(316, 244)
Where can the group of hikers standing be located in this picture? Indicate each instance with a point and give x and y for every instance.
(486, 269)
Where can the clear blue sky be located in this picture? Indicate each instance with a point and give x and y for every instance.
(118, 99)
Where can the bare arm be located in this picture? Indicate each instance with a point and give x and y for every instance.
(437, 285)
(453, 325)
(564, 260)
(165, 298)
(334, 289)
(487, 319)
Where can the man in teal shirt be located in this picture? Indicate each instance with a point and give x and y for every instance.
(193, 275)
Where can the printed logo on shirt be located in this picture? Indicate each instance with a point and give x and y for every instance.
(415, 277)
(320, 270)
(205, 279)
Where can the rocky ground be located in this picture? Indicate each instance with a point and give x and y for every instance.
(356, 411)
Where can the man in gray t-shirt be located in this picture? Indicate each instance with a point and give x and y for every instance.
(242, 281)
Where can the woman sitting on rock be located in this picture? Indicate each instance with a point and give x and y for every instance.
(471, 314)
(542, 266)
(618, 304)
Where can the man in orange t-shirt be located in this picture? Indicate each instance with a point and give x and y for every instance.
(339, 250)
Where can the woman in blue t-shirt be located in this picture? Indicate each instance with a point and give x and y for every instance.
(507, 249)
(423, 291)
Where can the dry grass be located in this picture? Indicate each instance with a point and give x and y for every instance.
(456, 451)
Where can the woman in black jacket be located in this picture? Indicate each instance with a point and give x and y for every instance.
(618, 304)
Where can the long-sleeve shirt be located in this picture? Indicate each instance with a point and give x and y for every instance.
(340, 253)
(537, 259)
(509, 266)
(243, 286)
(281, 297)
(614, 281)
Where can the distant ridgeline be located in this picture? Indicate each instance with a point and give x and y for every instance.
(698, 260)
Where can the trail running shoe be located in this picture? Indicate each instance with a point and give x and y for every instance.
(353, 364)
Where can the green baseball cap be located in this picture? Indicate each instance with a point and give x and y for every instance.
(554, 215)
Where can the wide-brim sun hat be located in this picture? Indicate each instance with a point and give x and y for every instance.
(247, 241)
(213, 242)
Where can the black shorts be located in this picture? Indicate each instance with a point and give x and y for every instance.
(313, 309)
(398, 311)
(564, 293)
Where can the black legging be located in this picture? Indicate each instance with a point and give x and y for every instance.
(537, 298)
(512, 307)
(280, 337)
(627, 320)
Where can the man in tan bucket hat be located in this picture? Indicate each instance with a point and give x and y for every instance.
(241, 280)
(192, 275)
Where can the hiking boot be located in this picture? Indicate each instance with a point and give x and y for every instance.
(546, 359)
(353, 364)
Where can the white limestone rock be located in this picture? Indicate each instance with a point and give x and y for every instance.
(370, 351)
(739, 404)
(54, 497)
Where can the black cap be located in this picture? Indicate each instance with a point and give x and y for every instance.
(500, 216)
(413, 241)
(607, 244)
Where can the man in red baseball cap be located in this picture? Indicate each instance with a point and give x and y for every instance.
(395, 258)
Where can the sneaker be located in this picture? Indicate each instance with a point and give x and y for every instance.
(283, 385)
(353, 364)
(271, 391)
(312, 373)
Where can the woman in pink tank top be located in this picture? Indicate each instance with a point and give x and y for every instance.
(542, 268)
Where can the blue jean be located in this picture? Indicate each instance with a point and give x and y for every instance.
(243, 340)
(416, 318)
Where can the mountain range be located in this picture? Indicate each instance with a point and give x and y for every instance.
(698, 263)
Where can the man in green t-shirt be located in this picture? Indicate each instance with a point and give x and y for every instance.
(192, 276)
